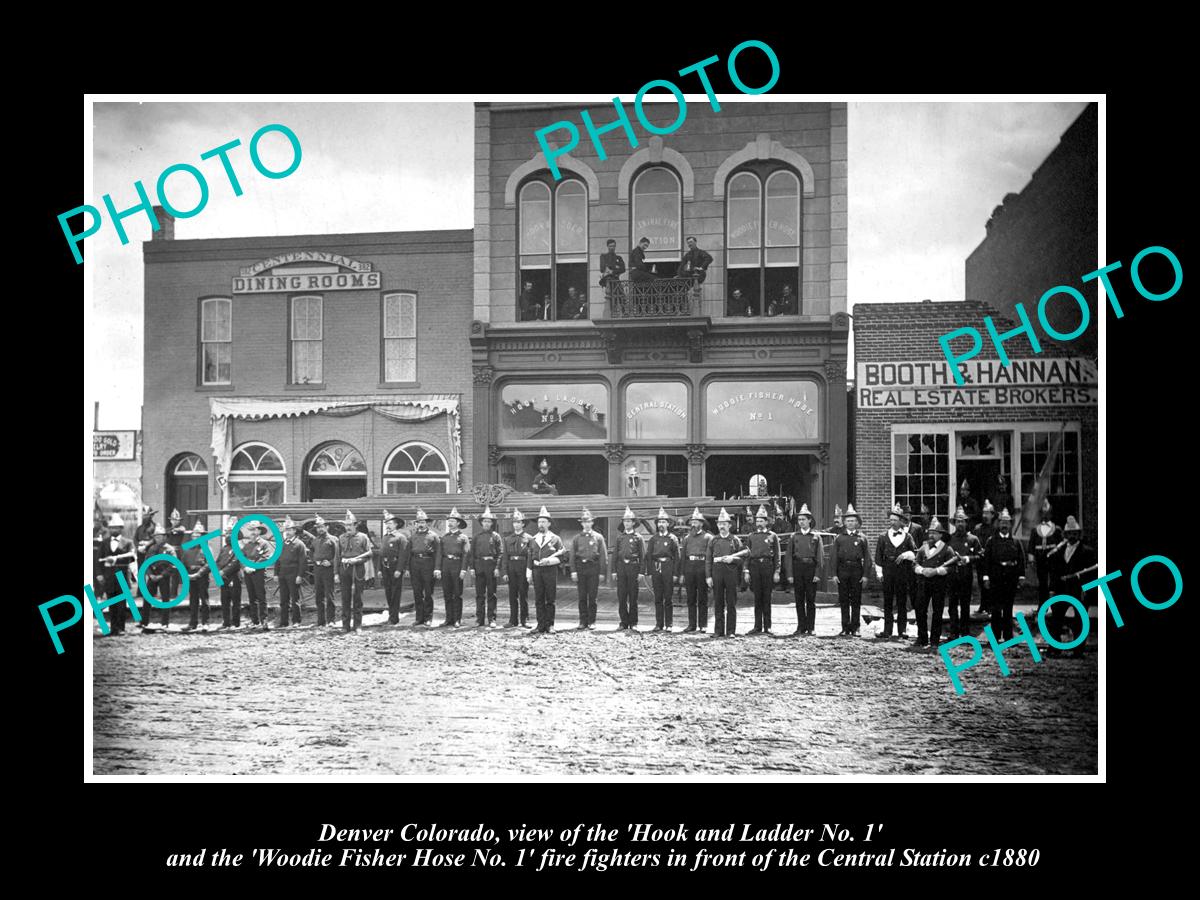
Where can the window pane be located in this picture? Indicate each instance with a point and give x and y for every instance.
(535, 218)
(656, 410)
(561, 412)
(783, 210)
(744, 212)
(433, 487)
(391, 316)
(570, 230)
(656, 210)
(741, 258)
(299, 321)
(408, 315)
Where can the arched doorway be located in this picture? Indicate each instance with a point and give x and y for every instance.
(335, 471)
(187, 484)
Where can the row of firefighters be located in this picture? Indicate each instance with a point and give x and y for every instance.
(919, 565)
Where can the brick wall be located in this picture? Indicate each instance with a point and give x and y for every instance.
(909, 331)
(817, 131)
(435, 265)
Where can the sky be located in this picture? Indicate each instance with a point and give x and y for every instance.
(923, 180)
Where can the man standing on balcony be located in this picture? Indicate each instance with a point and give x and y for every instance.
(639, 269)
(695, 263)
(612, 267)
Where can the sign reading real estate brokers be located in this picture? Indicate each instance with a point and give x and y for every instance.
(1024, 382)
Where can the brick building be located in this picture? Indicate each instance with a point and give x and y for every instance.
(918, 437)
(662, 386)
(1045, 236)
(284, 369)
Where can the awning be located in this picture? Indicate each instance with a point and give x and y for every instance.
(398, 409)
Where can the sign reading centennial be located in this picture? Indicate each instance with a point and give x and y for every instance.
(1024, 382)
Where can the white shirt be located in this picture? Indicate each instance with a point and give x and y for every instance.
(896, 537)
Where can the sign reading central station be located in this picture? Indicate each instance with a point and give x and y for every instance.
(987, 382)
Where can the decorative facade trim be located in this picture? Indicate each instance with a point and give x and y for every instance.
(651, 154)
(482, 374)
(567, 164)
(697, 454)
(835, 370)
(614, 453)
(763, 147)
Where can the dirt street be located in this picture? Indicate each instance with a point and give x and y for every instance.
(505, 702)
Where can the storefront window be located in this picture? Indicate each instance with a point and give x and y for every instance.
(256, 476)
(1063, 487)
(921, 472)
(656, 411)
(752, 412)
(553, 412)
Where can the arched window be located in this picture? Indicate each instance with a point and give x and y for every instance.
(256, 476)
(416, 468)
(763, 243)
(553, 246)
(657, 214)
(335, 471)
(216, 340)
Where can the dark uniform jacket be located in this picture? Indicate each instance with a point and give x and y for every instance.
(122, 547)
(766, 545)
(695, 545)
(933, 556)
(326, 550)
(968, 549)
(802, 548)
(1003, 557)
(588, 547)
(515, 550)
(886, 553)
(553, 546)
(850, 551)
(155, 572)
(611, 261)
(426, 544)
(455, 544)
(543, 485)
(227, 562)
(637, 261)
(723, 546)
(629, 547)
(486, 550)
(1063, 571)
(664, 549)
(354, 545)
(695, 262)
(195, 562)
(293, 559)
(528, 308)
(394, 554)
(1039, 546)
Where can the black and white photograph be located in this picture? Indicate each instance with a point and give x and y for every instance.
(488, 442)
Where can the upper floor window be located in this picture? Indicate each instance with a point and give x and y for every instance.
(657, 212)
(306, 340)
(762, 241)
(553, 230)
(399, 337)
(216, 340)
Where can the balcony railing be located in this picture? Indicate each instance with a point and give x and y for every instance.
(662, 298)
